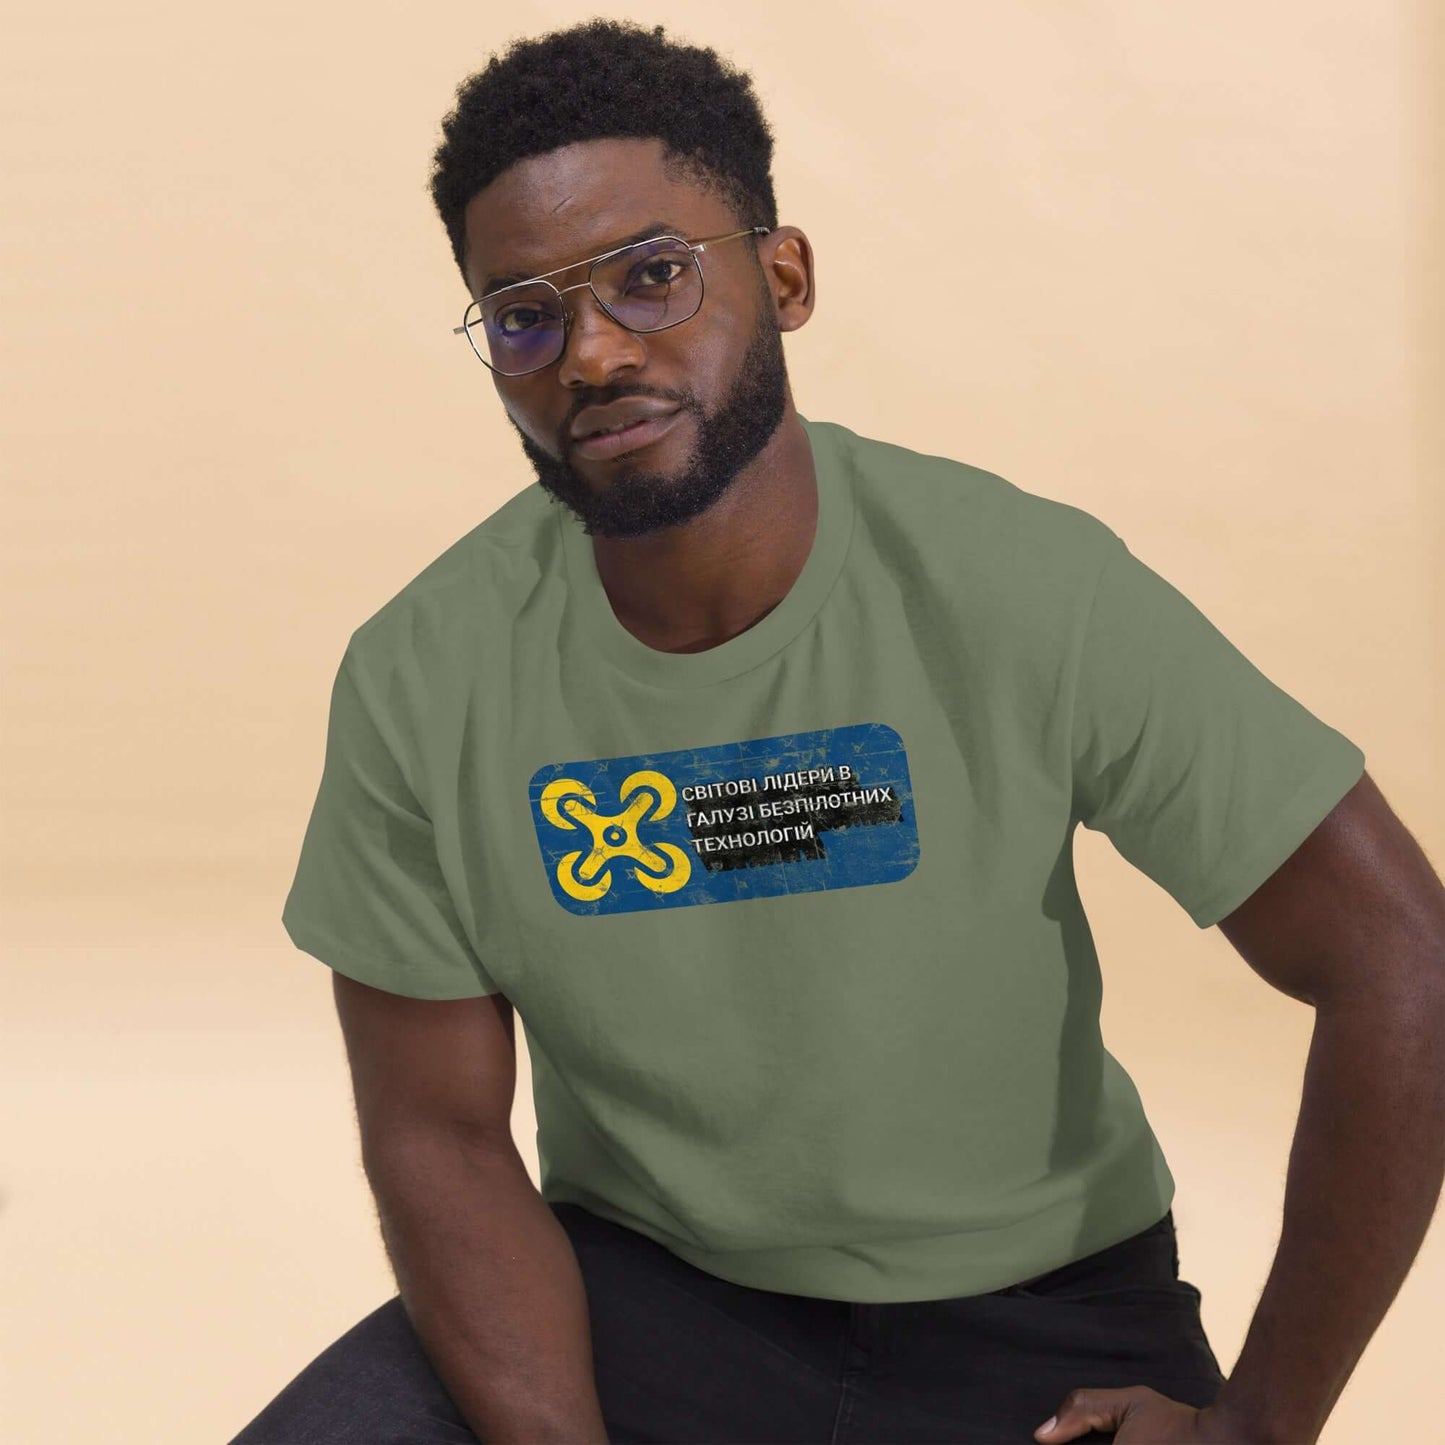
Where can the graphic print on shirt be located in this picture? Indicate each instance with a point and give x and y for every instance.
(832, 808)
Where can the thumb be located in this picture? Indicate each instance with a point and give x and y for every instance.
(1082, 1411)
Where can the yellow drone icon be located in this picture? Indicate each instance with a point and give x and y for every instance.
(566, 802)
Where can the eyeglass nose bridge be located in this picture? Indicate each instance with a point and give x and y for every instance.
(566, 310)
(568, 313)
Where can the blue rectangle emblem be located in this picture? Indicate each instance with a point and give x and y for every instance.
(791, 814)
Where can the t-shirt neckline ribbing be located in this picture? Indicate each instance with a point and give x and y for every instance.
(610, 639)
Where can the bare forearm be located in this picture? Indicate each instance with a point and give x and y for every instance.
(491, 1284)
(1365, 1173)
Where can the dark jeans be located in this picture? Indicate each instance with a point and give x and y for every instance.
(683, 1356)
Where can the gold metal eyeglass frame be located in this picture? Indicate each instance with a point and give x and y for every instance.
(591, 264)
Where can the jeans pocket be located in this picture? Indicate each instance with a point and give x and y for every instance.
(1164, 1294)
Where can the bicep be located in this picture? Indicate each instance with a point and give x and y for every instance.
(422, 1064)
(1356, 913)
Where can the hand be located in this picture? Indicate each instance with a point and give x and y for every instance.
(1140, 1416)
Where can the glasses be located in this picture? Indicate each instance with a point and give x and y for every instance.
(646, 286)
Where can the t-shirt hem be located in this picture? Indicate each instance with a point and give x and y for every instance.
(1295, 822)
(931, 1267)
(377, 972)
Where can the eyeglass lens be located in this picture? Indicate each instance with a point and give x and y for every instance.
(647, 287)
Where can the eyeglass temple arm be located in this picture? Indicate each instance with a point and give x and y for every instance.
(718, 240)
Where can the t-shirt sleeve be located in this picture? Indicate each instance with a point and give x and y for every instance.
(369, 897)
(1202, 772)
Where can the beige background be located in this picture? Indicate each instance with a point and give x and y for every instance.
(1188, 261)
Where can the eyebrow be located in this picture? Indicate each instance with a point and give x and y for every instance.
(646, 233)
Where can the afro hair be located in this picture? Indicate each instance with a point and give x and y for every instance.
(599, 79)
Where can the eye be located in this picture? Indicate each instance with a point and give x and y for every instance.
(650, 272)
(518, 314)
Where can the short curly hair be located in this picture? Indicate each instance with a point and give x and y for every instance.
(599, 79)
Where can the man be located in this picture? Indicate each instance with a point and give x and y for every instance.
(741, 756)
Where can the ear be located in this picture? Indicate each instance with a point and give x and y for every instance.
(787, 260)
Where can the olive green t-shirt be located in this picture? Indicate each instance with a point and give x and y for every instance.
(791, 923)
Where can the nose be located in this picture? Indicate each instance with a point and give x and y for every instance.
(597, 346)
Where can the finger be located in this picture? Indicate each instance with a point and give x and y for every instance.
(1082, 1411)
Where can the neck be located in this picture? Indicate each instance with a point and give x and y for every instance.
(695, 586)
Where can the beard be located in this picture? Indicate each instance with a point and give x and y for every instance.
(633, 501)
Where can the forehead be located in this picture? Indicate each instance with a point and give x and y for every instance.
(553, 210)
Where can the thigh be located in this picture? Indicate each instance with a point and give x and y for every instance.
(991, 1368)
(681, 1355)
(373, 1386)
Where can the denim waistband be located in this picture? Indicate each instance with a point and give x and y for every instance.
(1150, 1256)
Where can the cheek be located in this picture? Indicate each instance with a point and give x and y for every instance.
(520, 414)
(699, 356)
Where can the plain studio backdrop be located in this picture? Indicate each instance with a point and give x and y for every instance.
(1177, 265)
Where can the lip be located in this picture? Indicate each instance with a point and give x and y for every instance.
(639, 434)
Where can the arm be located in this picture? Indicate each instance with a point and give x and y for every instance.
(487, 1275)
(1352, 924)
